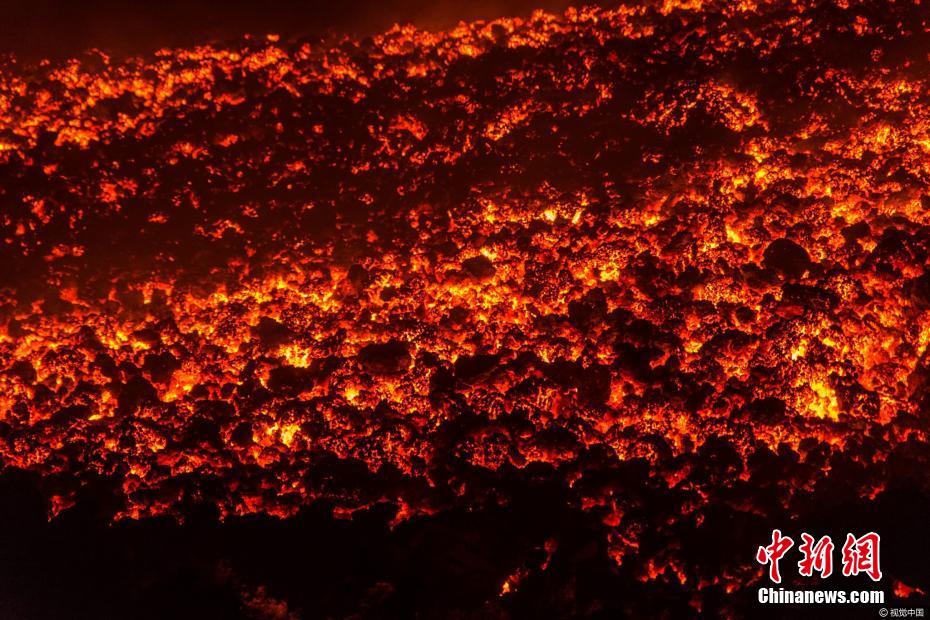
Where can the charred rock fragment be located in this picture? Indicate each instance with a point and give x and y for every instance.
(385, 358)
(787, 257)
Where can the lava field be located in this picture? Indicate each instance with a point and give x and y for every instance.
(555, 316)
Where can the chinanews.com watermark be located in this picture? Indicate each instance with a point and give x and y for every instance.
(821, 597)
(859, 555)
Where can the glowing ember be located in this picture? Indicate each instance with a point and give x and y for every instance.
(674, 257)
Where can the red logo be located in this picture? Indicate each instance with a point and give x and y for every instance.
(860, 555)
(773, 553)
(817, 557)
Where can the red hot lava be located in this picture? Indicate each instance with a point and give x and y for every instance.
(671, 258)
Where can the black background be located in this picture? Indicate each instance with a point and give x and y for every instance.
(56, 28)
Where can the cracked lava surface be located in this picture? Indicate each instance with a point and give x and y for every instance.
(670, 259)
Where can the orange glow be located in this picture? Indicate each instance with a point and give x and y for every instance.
(508, 245)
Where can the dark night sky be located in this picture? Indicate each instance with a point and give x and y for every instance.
(35, 29)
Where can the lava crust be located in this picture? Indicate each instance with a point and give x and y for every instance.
(666, 263)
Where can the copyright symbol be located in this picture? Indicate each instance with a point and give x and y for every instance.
(882, 612)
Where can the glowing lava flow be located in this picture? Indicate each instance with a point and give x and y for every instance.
(673, 252)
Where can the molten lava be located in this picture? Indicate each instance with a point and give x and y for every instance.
(675, 257)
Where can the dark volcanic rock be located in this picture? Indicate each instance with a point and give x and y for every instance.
(385, 358)
(787, 257)
(479, 266)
